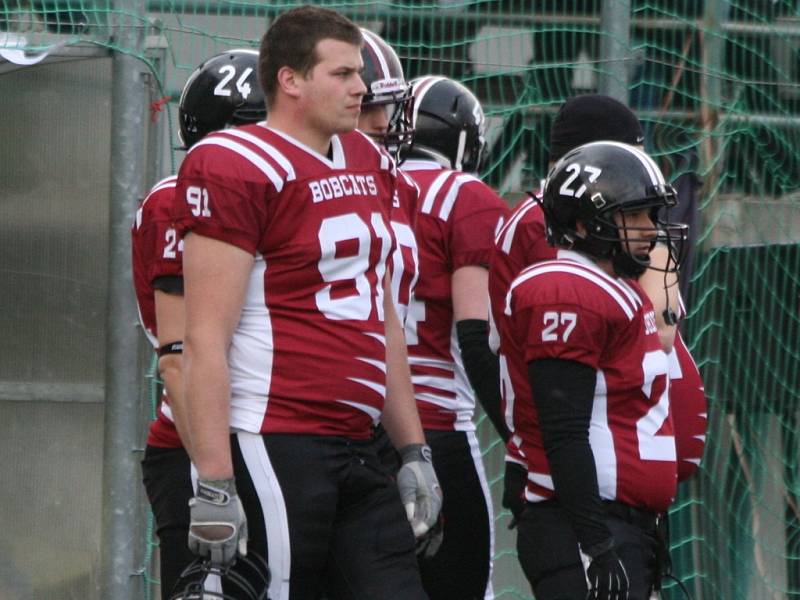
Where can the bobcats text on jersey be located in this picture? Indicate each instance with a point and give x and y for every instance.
(340, 186)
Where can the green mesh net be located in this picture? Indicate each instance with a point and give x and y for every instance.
(715, 84)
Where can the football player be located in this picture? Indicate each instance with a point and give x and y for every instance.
(222, 92)
(522, 242)
(597, 439)
(293, 348)
(385, 117)
(447, 333)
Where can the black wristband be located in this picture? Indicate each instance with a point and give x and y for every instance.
(169, 284)
(171, 348)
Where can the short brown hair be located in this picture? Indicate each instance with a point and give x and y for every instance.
(292, 39)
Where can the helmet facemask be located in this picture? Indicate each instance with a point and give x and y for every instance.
(399, 106)
(606, 237)
(247, 578)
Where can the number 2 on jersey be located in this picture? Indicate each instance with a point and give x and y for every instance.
(653, 446)
(174, 245)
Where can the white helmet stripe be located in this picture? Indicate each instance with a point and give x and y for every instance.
(421, 87)
(376, 50)
(656, 177)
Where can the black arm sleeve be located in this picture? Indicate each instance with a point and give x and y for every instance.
(169, 284)
(563, 392)
(483, 369)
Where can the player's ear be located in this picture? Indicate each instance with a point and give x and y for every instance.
(289, 81)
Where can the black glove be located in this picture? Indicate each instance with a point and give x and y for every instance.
(608, 579)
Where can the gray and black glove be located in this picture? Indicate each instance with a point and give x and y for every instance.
(419, 487)
(217, 526)
(608, 579)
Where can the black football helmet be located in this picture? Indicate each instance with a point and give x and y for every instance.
(387, 86)
(223, 91)
(247, 578)
(594, 182)
(448, 123)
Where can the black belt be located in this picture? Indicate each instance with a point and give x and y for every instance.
(640, 517)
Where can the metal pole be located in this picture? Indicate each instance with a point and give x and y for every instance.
(711, 161)
(121, 481)
(615, 28)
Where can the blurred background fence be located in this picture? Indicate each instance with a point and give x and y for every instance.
(88, 94)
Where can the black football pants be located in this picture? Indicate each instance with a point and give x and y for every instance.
(550, 558)
(461, 569)
(167, 480)
(327, 516)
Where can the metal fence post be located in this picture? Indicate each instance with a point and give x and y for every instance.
(615, 26)
(121, 480)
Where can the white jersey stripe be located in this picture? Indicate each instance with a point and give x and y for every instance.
(587, 262)
(337, 151)
(377, 387)
(166, 183)
(378, 364)
(433, 363)
(475, 450)
(377, 336)
(507, 233)
(542, 480)
(166, 186)
(273, 509)
(632, 295)
(602, 281)
(440, 383)
(602, 441)
(246, 153)
(434, 399)
(373, 412)
(427, 205)
(452, 195)
(385, 160)
(269, 149)
(250, 356)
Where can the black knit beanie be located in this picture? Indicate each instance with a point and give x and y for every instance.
(592, 118)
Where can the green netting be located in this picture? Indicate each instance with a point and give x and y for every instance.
(716, 85)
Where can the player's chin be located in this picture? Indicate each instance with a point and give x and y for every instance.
(347, 123)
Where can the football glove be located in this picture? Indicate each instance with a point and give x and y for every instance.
(419, 488)
(429, 543)
(608, 579)
(217, 526)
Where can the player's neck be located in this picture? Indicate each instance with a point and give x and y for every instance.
(606, 266)
(296, 128)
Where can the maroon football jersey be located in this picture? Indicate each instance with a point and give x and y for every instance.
(157, 252)
(405, 258)
(520, 243)
(458, 217)
(570, 309)
(689, 408)
(308, 355)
